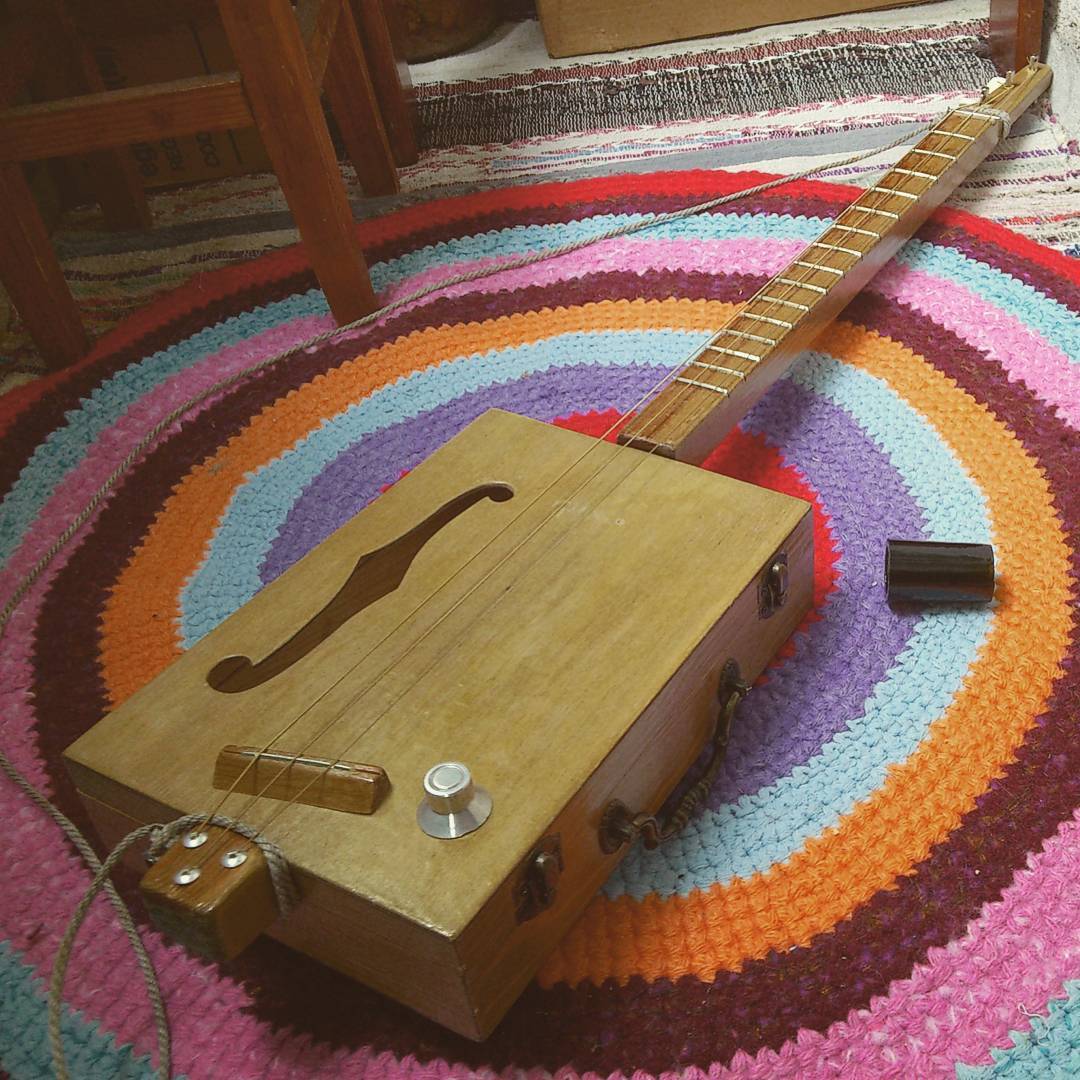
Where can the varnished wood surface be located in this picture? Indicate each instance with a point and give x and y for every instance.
(356, 109)
(269, 51)
(704, 401)
(221, 912)
(282, 64)
(349, 786)
(318, 21)
(377, 21)
(115, 117)
(31, 273)
(1016, 31)
(642, 586)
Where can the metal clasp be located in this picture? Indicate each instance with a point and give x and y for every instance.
(773, 592)
(620, 825)
(539, 879)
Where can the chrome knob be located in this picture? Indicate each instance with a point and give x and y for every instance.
(453, 805)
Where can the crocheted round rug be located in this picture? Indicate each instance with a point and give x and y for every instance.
(883, 880)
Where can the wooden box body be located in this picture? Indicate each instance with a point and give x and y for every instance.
(570, 657)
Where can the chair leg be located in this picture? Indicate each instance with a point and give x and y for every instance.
(119, 190)
(269, 51)
(352, 98)
(32, 275)
(116, 182)
(393, 87)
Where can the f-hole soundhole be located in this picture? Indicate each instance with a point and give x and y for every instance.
(376, 574)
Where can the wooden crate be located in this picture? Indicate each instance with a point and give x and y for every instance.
(573, 27)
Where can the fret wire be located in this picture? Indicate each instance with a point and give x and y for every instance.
(954, 135)
(735, 352)
(713, 388)
(896, 191)
(978, 114)
(934, 153)
(796, 284)
(703, 385)
(718, 367)
(837, 247)
(777, 300)
(852, 228)
(802, 285)
(876, 210)
(768, 319)
(747, 334)
(819, 266)
(887, 191)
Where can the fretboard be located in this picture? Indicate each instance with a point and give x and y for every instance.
(710, 394)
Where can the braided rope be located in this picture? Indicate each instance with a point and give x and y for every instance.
(123, 915)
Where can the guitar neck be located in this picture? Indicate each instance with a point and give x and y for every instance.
(754, 348)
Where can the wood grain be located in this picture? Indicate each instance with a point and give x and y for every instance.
(117, 117)
(318, 20)
(708, 398)
(352, 98)
(1016, 31)
(643, 581)
(269, 51)
(349, 786)
(221, 912)
(376, 22)
(32, 276)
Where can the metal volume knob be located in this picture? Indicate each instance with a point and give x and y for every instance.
(453, 805)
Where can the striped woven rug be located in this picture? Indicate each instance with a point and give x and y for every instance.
(882, 882)
(779, 98)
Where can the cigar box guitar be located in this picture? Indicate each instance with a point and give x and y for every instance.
(456, 714)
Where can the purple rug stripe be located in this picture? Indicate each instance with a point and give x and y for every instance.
(787, 720)
(802, 705)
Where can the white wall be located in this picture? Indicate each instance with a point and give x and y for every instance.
(1061, 33)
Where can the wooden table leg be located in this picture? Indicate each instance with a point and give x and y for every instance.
(32, 275)
(269, 51)
(390, 76)
(352, 98)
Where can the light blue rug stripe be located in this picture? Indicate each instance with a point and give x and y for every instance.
(1049, 1051)
(24, 1046)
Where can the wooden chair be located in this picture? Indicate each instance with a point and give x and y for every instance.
(285, 58)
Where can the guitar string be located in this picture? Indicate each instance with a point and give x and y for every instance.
(620, 420)
(221, 386)
(280, 808)
(593, 446)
